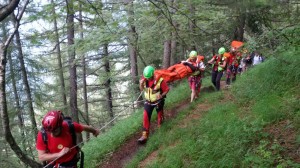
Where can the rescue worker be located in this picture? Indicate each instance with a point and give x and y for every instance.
(219, 63)
(59, 144)
(155, 91)
(233, 64)
(195, 79)
(256, 58)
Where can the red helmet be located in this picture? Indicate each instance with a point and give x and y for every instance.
(52, 120)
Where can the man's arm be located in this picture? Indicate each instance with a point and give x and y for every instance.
(42, 150)
(211, 60)
(164, 94)
(44, 156)
(91, 129)
(142, 82)
(165, 89)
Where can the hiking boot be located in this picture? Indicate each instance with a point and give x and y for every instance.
(228, 86)
(144, 137)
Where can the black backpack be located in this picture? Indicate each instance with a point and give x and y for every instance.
(73, 134)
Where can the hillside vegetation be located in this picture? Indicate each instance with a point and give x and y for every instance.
(87, 58)
(236, 130)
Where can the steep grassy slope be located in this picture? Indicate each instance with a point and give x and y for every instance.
(97, 149)
(253, 124)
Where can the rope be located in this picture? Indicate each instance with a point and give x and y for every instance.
(90, 137)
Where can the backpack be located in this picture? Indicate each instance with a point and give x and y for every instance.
(248, 61)
(73, 134)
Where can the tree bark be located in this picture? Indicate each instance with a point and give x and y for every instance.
(174, 58)
(239, 30)
(26, 84)
(108, 83)
(72, 61)
(8, 9)
(4, 114)
(72, 64)
(59, 61)
(84, 84)
(17, 100)
(3, 104)
(167, 54)
(15, 92)
(132, 45)
(192, 26)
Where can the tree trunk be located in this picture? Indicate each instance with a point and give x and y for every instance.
(192, 26)
(3, 105)
(59, 62)
(26, 85)
(72, 64)
(17, 103)
(4, 114)
(174, 58)
(132, 45)
(108, 82)
(167, 54)
(239, 30)
(15, 92)
(84, 84)
(6, 10)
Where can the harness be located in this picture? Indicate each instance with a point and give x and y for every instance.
(218, 61)
(151, 92)
(69, 121)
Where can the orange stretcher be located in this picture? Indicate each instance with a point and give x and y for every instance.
(178, 71)
(175, 72)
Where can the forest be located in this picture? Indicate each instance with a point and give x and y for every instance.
(86, 57)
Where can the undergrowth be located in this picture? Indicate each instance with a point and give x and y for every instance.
(230, 134)
(97, 149)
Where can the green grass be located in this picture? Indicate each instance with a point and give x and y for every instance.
(227, 135)
(97, 148)
(230, 134)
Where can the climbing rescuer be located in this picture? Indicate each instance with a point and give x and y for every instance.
(234, 60)
(195, 78)
(155, 91)
(57, 138)
(219, 63)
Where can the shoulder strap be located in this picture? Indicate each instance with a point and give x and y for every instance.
(71, 129)
(45, 140)
(73, 134)
(45, 137)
